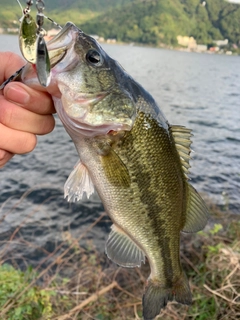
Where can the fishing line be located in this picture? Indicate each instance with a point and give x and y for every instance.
(20, 5)
(45, 72)
(46, 17)
(54, 22)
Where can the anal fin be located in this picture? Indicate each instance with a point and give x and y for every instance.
(197, 212)
(122, 250)
(78, 183)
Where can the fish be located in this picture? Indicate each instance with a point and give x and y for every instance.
(128, 152)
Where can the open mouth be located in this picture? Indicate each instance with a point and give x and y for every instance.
(58, 45)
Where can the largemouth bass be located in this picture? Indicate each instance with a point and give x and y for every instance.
(137, 162)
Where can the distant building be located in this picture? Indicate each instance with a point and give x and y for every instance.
(188, 42)
(214, 49)
(111, 40)
(201, 48)
(221, 43)
(233, 1)
(12, 30)
(94, 36)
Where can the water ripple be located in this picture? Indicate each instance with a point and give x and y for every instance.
(195, 90)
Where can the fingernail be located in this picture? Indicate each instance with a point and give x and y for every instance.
(15, 93)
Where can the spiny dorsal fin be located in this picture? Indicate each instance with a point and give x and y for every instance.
(181, 136)
(122, 250)
(197, 212)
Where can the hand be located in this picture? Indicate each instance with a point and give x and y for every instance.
(24, 112)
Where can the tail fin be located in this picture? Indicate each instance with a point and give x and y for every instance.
(156, 296)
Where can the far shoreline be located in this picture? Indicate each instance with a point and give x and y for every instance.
(139, 44)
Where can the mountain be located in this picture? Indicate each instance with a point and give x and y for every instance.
(153, 22)
(62, 11)
(161, 21)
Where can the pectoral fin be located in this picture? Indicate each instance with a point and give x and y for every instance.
(78, 184)
(197, 212)
(122, 250)
(115, 170)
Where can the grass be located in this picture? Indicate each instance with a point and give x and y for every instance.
(75, 282)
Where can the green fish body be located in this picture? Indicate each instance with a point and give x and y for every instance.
(137, 162)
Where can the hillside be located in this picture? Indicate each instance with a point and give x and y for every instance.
(153, 22)
(60, 10)
(160, 21)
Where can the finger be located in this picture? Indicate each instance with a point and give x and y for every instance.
(15, 141)
(9, 64)
(18, 118)
(5, 157)
(30, 99)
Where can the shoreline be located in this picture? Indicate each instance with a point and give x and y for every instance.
(162, 46)
(81, 281)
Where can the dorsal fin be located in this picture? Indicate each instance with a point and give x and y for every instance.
(197, 213)
(181, 136)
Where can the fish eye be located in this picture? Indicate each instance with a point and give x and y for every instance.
(94, 58)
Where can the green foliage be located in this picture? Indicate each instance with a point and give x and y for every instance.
(217, 227)
(234, 230)
(216, 282)
(150, 22)
(212, 271)
(20, 301)
(203, 308)
(160, 22)
(213, 231)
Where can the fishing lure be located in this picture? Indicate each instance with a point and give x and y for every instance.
(32, 44)
(43, 65)
(28, 34)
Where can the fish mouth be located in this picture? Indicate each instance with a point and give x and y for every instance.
(78, 118)
(82, 102)
(81, 126)
(59, 44)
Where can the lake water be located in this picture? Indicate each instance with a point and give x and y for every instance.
(199, 91)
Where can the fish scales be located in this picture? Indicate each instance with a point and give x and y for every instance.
(137, 162)
(147, 204)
